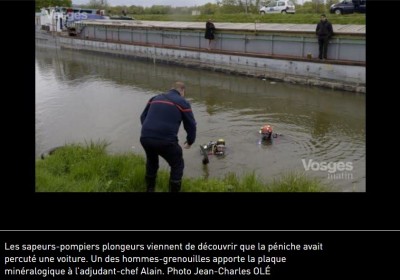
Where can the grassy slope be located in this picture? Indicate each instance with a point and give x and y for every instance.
(89, 168)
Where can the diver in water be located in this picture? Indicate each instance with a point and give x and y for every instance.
(267, 134)
(213, 148)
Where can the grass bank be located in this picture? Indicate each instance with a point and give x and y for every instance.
(268, 18)
(78, 168)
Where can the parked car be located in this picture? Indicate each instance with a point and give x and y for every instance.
(348, 7)
(280, 6)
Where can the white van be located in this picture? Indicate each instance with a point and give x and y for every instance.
(280, 6)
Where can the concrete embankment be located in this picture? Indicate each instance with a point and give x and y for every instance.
(282, 52)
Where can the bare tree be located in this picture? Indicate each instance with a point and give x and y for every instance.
(248, 3)
(319, 5)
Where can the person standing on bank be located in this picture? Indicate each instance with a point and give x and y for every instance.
(324, 32)
(210, 30)
(160, 121)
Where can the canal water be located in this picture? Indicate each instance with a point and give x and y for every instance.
(83, 97)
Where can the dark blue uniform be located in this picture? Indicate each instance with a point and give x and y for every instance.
(161, 120)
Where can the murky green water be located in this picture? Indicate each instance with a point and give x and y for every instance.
(82, 97)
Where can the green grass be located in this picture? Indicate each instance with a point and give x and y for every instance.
(268, 18)
(78, 168)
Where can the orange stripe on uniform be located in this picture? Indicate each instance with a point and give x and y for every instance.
(183, 110)
(173, 104)
(165, 102)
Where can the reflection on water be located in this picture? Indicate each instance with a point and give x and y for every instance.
(82, 97)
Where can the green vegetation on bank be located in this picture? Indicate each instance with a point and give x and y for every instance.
(78, 168)
(246, 18)
(235, 11)
(52, 3)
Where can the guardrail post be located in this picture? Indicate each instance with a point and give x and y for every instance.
(272, 44)
(338, 48)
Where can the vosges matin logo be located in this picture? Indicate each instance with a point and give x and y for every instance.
(335, 170)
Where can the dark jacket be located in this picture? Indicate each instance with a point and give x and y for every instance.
(210, 30)
(163, 115)
(324, 29)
